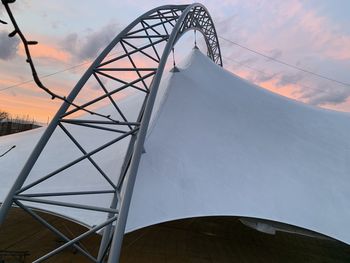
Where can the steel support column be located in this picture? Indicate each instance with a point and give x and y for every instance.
(143, 37)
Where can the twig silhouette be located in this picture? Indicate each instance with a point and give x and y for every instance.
(14, 146)
(29, 60)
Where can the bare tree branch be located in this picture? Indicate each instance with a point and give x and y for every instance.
(14, 146)
(26, 44)
(3, 115)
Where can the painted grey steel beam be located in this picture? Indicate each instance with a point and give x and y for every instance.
(54, 230)
(121, 222)
(100, 122)
(150, 36)
(172, 18)
(127, 69)
(5, 206)
(109, 93)
(149, 27)
(143, 23)
(75, 240)
(129, 124)
(66, 204)
(92, 161)
(70, 193)
(131, 52)
(141, 51)
(76, 161)
(96, 127)
(126, 84)
(107, 233)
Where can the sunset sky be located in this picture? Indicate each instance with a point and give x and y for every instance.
(313, 34)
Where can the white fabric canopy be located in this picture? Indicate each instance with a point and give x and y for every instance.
(219, 145)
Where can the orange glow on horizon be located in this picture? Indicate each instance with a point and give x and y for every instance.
(289, 91)
(46, 51)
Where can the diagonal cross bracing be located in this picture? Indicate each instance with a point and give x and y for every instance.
(112, 76)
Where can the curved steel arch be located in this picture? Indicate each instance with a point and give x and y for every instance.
(159, 26)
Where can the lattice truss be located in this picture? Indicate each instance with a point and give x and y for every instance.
(111, 96)
(200, 19)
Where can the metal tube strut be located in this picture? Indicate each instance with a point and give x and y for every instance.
(164, 24)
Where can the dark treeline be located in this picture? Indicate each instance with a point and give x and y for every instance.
(10, 124)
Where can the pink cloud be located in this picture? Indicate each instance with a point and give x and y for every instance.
(47, 51)
(326, 36)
